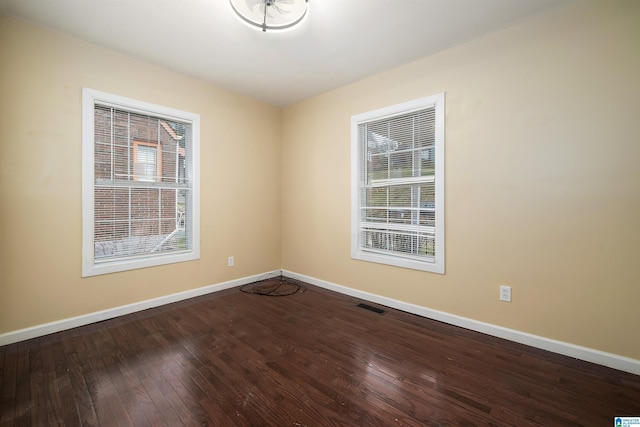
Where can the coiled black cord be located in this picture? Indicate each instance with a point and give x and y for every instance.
(274, 287)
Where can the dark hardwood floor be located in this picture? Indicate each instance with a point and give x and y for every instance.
(310, 359)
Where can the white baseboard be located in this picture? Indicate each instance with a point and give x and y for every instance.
(98, 316)
(583, 353)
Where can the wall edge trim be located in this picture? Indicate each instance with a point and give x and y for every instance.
(587, 354)
(98, 316)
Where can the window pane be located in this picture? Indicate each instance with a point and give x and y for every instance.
(400, 196)
(121, 147)
(139, 221)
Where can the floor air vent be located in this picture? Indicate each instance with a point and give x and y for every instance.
(372, 308)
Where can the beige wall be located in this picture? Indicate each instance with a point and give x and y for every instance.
(542, 178)
(41, 76)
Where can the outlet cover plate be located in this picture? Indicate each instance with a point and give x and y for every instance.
(505, 293)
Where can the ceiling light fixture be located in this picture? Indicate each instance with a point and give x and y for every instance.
(271, 14)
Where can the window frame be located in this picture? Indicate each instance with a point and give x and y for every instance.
(91, 98)
(358, 250)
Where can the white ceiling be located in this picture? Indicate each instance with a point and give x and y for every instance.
(340, 41)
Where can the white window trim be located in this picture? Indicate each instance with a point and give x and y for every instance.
(357, 252)
(89, 99)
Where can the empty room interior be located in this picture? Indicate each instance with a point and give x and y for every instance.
(444, 196)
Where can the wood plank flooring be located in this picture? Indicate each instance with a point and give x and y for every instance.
(310, 359)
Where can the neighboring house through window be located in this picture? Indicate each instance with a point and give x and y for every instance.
(140, 184)
(398, 185)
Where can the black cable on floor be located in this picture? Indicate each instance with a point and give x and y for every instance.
(274, 287)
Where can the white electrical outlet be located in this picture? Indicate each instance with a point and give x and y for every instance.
(230, 261)
(505, 293)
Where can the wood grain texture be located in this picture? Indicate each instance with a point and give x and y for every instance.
(310, 359)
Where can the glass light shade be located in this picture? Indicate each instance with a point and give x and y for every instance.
(279, 14)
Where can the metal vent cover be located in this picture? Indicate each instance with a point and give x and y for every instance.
(372, 308)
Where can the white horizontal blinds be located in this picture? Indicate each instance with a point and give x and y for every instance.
(142, 184)
(397, 178)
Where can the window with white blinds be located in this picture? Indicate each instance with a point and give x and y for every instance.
(145, 162)
(140, 184)
(398, 185)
